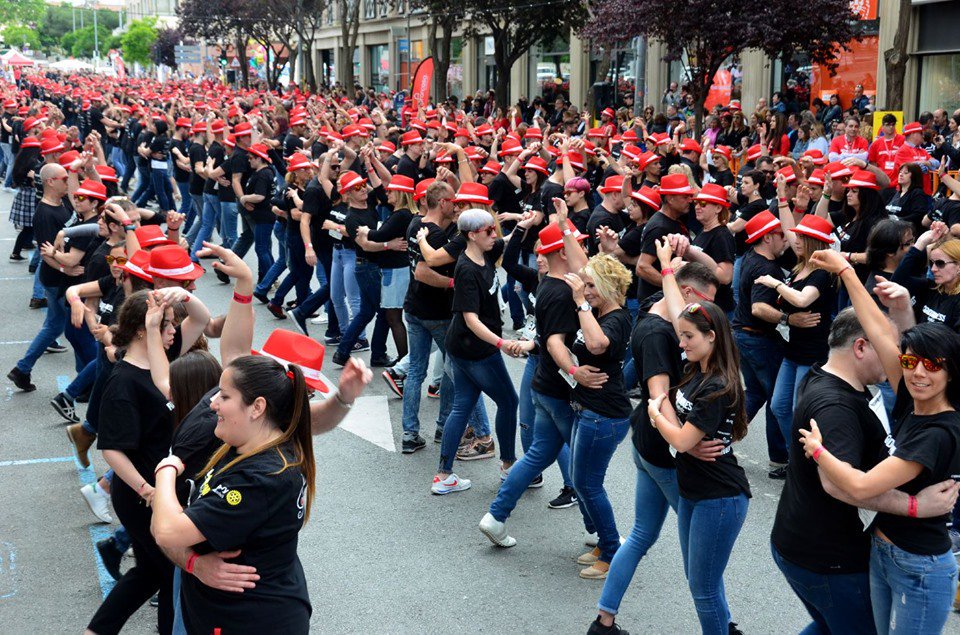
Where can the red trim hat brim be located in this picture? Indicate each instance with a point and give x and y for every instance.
(643, 199)
(471, 198)
(311, 376)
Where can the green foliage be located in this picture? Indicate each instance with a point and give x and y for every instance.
(18, 35)
(59, 21)
(138, 41)
(21, 12)
(80, 43)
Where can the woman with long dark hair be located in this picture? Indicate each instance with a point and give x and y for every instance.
(708, 404)
(910, 203)
(25, 167)
(863, 208)
(913, 573)
(887, 244)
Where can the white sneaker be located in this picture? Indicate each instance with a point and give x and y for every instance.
(98, 503)
(321, 318)
(496, 531)
(452, 483)
(592, 540)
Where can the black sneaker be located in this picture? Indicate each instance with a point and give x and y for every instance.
(733, 630)
(276, 311)
(38, 303)
(567, 498)
(339, 359)
(111, 556)
(56, 347)
(21, 380)
(778, 473)
(433, 391)
(360, 346)
(412, 445)
(332, 340)
(536, 483)
(382, 362)
(394, 381)
(65, 407)
(262, 297)
(438, 435)
(596, 628)
(155, 600)
(17, 257)
(222, 277)
(298, 321)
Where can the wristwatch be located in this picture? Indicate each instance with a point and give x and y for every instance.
(783, 318)
(584, 307)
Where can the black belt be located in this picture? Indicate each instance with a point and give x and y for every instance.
(338, 245)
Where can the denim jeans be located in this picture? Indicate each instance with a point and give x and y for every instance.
(7, 173)
(526, 416)
(144, 191)
(760, 362)
(118, 161)
(194, 218)
(211, 211)
(280, 264)
(263, 246)
(298, 275)
(509, 294)
(321, 296)
(38, 292)
(228, 224)
(471, 378)
(343, 285)
(368, 280)
(163, 189)
(83, 381)
(910, 593)
(737, 268)
(130, 168)
(186, 203)
(656, 492)
(594, 440)
(838, 603)
(52, 328)
(708, 530)
(553, 425)
(785, 395)
(179, 628)
(247, 232)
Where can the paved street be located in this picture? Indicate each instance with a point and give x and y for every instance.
(381, 554)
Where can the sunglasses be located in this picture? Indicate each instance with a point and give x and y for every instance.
(117, 260)
(80, 198)
(940, 264)
(905, 244)
(910, 361)
(334, 166)
(360, 187)
(696, 307)
(702, 296)
(489, 231)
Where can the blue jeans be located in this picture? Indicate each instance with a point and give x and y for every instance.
(247, 236)
(263, 246)
(179, 628)
(322, 295)
(838, 603)
(343, 285)
(52, 328)
(7, 172)
(298, 276)
(760, 362)
(526, 416)
(785, 395)
(910, 593)
(656, 492)
(119, 163)
(509, 294)
(737, 268)
(368, 280)
(130, 168)
(163, 189)
(470, 379)
(211, 210)
(83, 381)
(195, 219)
(280, 264)
(38, 292)
(228, 224)
(144, 190)
(594, 440)
(552, 427)
(708, 530)
(186, 203)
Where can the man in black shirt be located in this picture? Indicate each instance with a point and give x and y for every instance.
(50, 217)
(609, 213)
(414, 162)
(819, 540)
(755, 324)
(676, 195)
(212, 170)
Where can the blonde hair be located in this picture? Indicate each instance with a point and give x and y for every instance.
(610, 277)
(405, 201)
(952, 249)
(684, 169)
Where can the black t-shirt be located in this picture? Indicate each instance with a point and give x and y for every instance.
(356, 218)
(262, 182)
(631, 242)
(911, 207)
(215, 152)
(256, 506)
(48, 220)
(226, 193)
(317, 204)
(809, 345)
(745, 212)
(240, 164)
(753, 266)
(657, 227)
(719, 244)
(422, 300)
(929, 304)
(475, 291)
(853, 235)
(194, 443)
(946, 210)
(933, 441)
(395, 226)
(111, 297)
(548, 192)
(580, 219)
(198, 154)
(183, 146)
(291, 144)
(408, 167)
(601, 217)
(555, 313)
(159, 148)
(135, 418)
(703, 480)
(813, 529)
(96, 266)
(610, 400)
(504, 195)
(656, 351)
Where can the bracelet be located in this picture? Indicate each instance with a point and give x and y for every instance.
(912, 507)
(450, 286)
(499, 342)
(309, 245)
(777, 286)
(846, 255)
(666, 272)
(385, 246)
(242, 299)
(129, 228)
(782, 200)
(573, 369)
(191, 561)
(157, 471)
(567, 232)
(342, 402)
(847, 268)
(816, 454)
(73, 298)
(61, 268)
(140, 489)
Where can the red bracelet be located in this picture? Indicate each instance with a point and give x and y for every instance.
(242, 299)
(191, 561)
(816, 454)
(499, 342)
(450, 286)
(912, 507)
(157, 471)
(666, 272)
(573, 369)
(848, 267)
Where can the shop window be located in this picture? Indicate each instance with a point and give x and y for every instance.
(939, 83)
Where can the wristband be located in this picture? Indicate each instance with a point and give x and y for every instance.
(782, 200)
(450, 286)
(666, 272)
(847, 268)
(342, 402)
(157, 471)
(242, 299)
(573, 369)
(140, 489)
(499, 342)
(191, 561)
(61, 268)
(846, 255)
(386, 247)
(129, 228)
(73, 298)
(309, 245)
(816, 454)
(567, 232)
(912, 507)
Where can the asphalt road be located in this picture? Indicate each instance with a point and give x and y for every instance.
(381, 554)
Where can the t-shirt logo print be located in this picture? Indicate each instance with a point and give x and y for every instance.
(302, 498)
(234, 497)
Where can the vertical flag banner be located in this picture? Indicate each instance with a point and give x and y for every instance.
(422, 81)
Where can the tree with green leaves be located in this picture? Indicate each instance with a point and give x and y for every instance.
(22, 12)
(81, 43)
(137, 42)
(21, 36)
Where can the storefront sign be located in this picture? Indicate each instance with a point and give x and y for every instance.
(864, 9)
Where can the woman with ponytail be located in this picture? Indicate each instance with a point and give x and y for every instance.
(254, 496)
